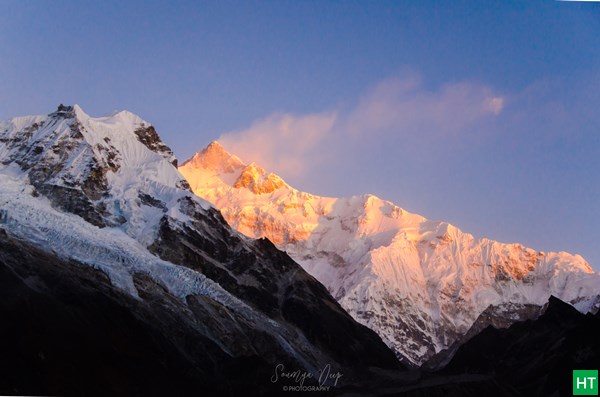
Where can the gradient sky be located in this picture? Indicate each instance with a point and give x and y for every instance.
(485, 114)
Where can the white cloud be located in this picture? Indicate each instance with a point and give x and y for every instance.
(291, 145)
(405, 106)
(495, 104)
(280, 142)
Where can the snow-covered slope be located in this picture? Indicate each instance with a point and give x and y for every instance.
(105, 192)
(419, 284)
(104, 169)
(72, 156)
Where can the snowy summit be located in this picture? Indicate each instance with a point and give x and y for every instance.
(421, 285)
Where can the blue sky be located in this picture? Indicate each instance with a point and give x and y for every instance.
(483, 114)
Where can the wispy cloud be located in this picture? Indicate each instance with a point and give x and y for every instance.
(292, 144)
(281, 142)
(403, 105)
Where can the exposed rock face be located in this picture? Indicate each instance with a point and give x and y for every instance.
(149, 137)
(94, 220)
(77, 187)
(420, 284)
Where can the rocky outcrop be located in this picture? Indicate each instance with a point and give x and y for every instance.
(148, 136)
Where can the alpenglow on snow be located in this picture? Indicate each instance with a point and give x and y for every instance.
(420, 284)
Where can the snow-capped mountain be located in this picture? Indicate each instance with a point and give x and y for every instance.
(100, 201)
(420, 284)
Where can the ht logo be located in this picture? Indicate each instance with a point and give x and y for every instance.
(585, 382)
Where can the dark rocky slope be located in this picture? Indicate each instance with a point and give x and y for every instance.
(529, 358)
(535, 357)
(67, 331)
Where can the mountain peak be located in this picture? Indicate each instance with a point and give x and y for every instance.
(559, 308)
(64, 112)
(257, 180)
(79, 162)
(215, 158)
(421, 284)
(214, 162)
(215, 147)
(69, 112)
